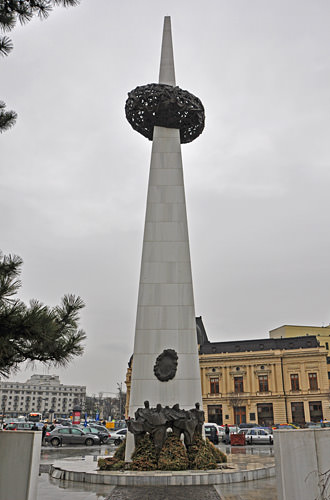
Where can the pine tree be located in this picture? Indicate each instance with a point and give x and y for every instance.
(22, 11)
(35, 332)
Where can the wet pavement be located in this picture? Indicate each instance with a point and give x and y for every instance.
(247, 456)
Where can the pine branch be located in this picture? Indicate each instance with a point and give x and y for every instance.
(6, 45)
(37, 332)
(7, 118)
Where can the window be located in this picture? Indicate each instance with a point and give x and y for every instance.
(239, 415)
(76, 431)
(294, 381)
(263, 383)
(64, 430)
(312, 377)
(214, 385)
(238, 384)
(315, 411)
(214, 414)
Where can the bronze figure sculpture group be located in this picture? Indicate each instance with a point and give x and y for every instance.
(158, 421)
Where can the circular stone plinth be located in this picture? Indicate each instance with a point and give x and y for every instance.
(165, 106)
(86, 471)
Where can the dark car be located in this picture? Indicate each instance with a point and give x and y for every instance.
(71, 435)
(100, 431)
(212, 432)
(63, 421)
(248, 425)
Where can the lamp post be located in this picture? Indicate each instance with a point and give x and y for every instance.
(4, 399)
(120, 402)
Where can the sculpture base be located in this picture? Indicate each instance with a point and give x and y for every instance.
(85, 471)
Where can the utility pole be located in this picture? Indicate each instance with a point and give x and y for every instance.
(120, 398)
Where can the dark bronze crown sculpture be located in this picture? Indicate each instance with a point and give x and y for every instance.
(165, 106)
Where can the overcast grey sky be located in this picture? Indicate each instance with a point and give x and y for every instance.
(73, 173)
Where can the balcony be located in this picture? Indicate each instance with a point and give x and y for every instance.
(264, 393)
(214, 395)
(238, 395)
(314, 391)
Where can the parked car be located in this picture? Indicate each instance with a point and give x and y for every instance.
(212, 432)
(63, 421)
(258, 436)
(99, 427)
(246, 425)
(232, 429)
(20, 426)
(242, 431)
(100, 431)
(71, 435)
(313, 425)
(118, 436)
(284, 426)
(221, 430)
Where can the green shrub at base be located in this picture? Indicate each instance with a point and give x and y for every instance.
(173, 455)
(204, 455)
(219, 456)
(110, 463)
(120, 451)
(117, 462)
(144, 455)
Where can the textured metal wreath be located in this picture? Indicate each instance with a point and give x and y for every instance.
(166, 365)
(165, 106)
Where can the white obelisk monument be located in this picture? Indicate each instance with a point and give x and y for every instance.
(165, 311)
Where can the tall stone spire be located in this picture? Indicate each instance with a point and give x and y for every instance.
(165, 365)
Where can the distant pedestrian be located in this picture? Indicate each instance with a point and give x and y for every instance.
(34, 427)
(227, 432)
(44, 431)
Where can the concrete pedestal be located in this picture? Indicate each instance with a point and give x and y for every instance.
(19, 464)
(302, 459)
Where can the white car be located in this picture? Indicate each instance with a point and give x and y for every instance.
(258, 436)
(118, 436)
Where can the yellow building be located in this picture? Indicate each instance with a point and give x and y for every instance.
(261, 381)
(265, 381)
(322, 333)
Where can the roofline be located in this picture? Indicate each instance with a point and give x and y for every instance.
(299, 326)
(258, 340)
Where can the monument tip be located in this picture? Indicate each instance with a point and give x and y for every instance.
(166, 71)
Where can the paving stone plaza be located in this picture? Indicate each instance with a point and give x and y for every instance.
(248, 458)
